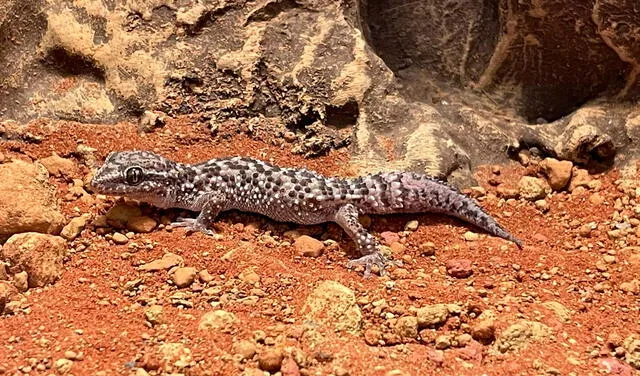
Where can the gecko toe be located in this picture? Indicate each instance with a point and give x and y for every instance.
(376, 259)
(191, 225)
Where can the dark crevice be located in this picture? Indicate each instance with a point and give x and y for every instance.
(343, 116)
(61, 61)
(550, 69)
(271, 10)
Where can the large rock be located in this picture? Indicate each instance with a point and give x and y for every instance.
(37, 254)
(334, 305)
(27, 200)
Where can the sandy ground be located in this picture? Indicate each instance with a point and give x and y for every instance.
(566, 279)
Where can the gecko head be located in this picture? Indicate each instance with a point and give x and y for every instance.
(135, 174)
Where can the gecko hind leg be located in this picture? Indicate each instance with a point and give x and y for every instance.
(347, 218)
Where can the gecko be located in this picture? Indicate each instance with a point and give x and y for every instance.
(285, 194)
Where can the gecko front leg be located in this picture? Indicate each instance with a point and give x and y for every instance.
(347, 218)
(215, 202)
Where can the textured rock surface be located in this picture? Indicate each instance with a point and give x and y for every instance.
(333, 304)
(39, 255)
(33, 205)
(418, 86)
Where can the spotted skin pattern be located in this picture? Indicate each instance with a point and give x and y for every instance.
(284, 194)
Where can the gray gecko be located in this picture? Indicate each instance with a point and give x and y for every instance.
(285, 194)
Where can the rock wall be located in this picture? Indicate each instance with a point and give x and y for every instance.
(423, 85)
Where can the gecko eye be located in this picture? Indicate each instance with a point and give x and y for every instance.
(133, 175)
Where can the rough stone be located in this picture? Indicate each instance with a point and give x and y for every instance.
(175, 355)
(459, 268)
(290, 368)
(168, 261)
(74, 227)
(141, 224)
(532, 188)
(484, 331)
(245, 349)
(58, 166)
(432, 315)
(63, 366)
(270, 360)
(308, 246)
(21, 281)
(27, 201)
(8, 292)
(407, 327)
(563, 313)
(334, 305)
(39, 255)
(217, 320)
(632, 354)
(154, 314)
(520, 334)
(184, 277)
(558, 173)
(580, 178)
(4, 273)
(120, 214)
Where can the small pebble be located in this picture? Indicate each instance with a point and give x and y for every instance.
(270, 360)
(411, 226)
(119, 238)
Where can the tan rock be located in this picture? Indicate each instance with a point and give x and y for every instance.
(218, 320)
(333, 304)
(270, 360)
(63, 366)
(484, 331)
(39, 255)
(249, 275)
(184, 277)
(74, 227)
(532, 188)
(58, 166)
(520, 334)
(580, 178)
(308, 246)
(175, 355)
(120, 238)
(205, 276)
(141, 223)
(168, 261)
(21, 281)
(245, 349)
(8, 292)
(432, 315)
(28, 202)
(154, 314)
(558, 173)
(407, 327)
(119, 214)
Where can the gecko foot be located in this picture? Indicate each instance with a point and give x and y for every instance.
(191, 225)
(368, 261)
